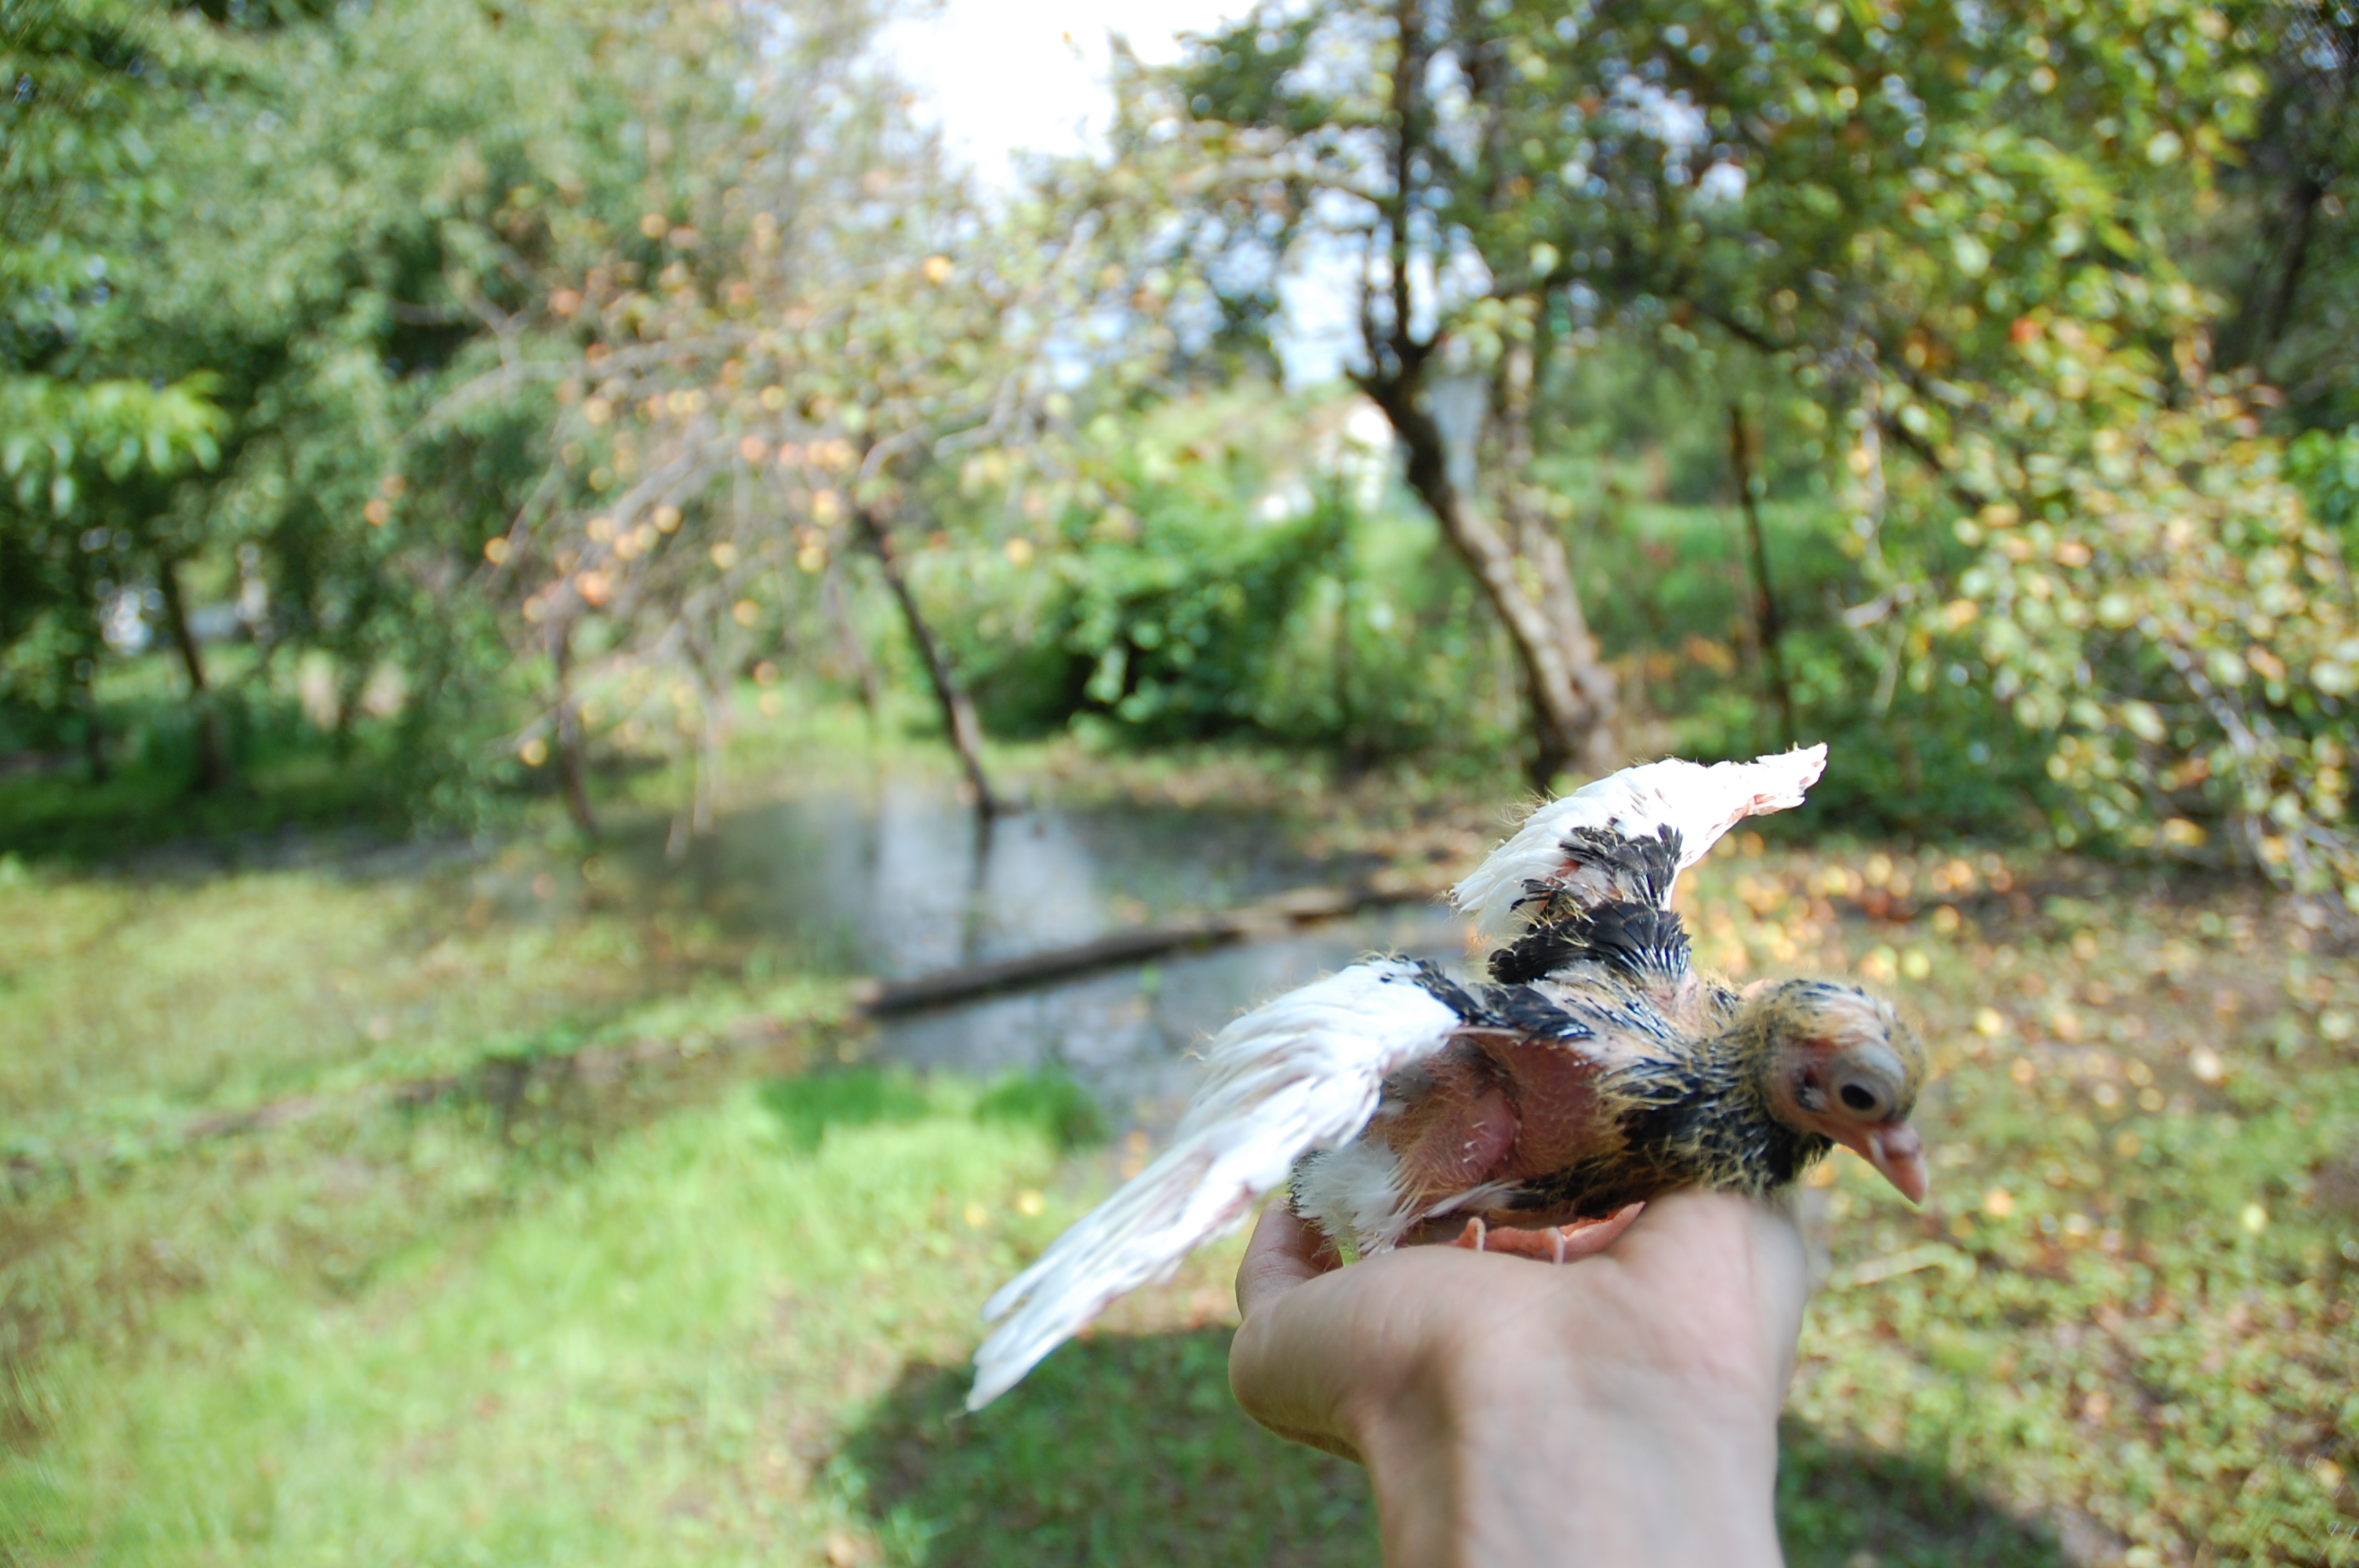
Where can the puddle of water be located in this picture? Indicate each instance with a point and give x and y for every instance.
(898, 881)
(1130, 1034)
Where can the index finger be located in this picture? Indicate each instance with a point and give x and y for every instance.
(1285, 1252)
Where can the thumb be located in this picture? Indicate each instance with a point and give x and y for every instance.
(1284, 1255)
(1285, 1252)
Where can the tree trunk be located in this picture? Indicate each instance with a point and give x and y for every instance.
(1765, 621)
(1346, 718)
(93, 729)
(715, 704)
(1522, 568)
(1572, 692)
(2301, 143)
(958, 713)
(212, 757)
(1540, 543)
(2307, 194)
(571, 773)
(78, 665)
(351, 680)
(863, 669)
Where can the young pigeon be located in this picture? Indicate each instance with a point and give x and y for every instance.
(1596, 1069)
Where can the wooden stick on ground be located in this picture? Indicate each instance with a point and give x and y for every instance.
(1305, 906)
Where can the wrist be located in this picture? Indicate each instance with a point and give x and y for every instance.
(1484, 1459)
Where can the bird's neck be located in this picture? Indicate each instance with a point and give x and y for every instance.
(1735, 1062)
(1736, 1128)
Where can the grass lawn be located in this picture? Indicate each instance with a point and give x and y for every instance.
(706, 1295)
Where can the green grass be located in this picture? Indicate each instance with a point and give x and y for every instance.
(713, 1304)
(129, 1004)
(2131, 1309)
(719, 1333)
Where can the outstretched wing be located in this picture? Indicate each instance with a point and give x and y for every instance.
(1595, 869)
(1300, 1073)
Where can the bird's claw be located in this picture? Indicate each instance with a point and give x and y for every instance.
(1551, 1244)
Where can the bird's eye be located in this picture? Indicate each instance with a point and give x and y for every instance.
(1858, 1097)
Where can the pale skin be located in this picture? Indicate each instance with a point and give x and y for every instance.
(1615, 1410)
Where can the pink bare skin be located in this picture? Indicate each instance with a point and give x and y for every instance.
(1620, 1409)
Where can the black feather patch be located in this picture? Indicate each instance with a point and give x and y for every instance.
(1537, 954)
(1531, 1013)
(1514, 1007)
(1593, 1189)
(1644, 866)
(1638, 940)
(1447, 992)
(1639, 869)
(1538, 891)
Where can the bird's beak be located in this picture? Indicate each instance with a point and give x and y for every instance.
(1897, 1153)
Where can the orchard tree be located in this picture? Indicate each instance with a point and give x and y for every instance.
(1865, 197)
(1954, 232)
(824, 352)
(1340, 136)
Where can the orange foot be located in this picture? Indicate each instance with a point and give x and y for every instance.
(1552, 1244)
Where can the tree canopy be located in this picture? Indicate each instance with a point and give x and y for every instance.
(540, 373)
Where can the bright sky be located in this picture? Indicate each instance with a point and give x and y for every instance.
(1000, 76)
(1003, 75)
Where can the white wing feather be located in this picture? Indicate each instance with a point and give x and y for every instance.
(1300, 1073)
(1702, 803)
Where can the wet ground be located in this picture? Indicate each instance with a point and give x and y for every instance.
(898, 878)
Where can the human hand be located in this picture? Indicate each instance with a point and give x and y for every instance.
(1620, 1409)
